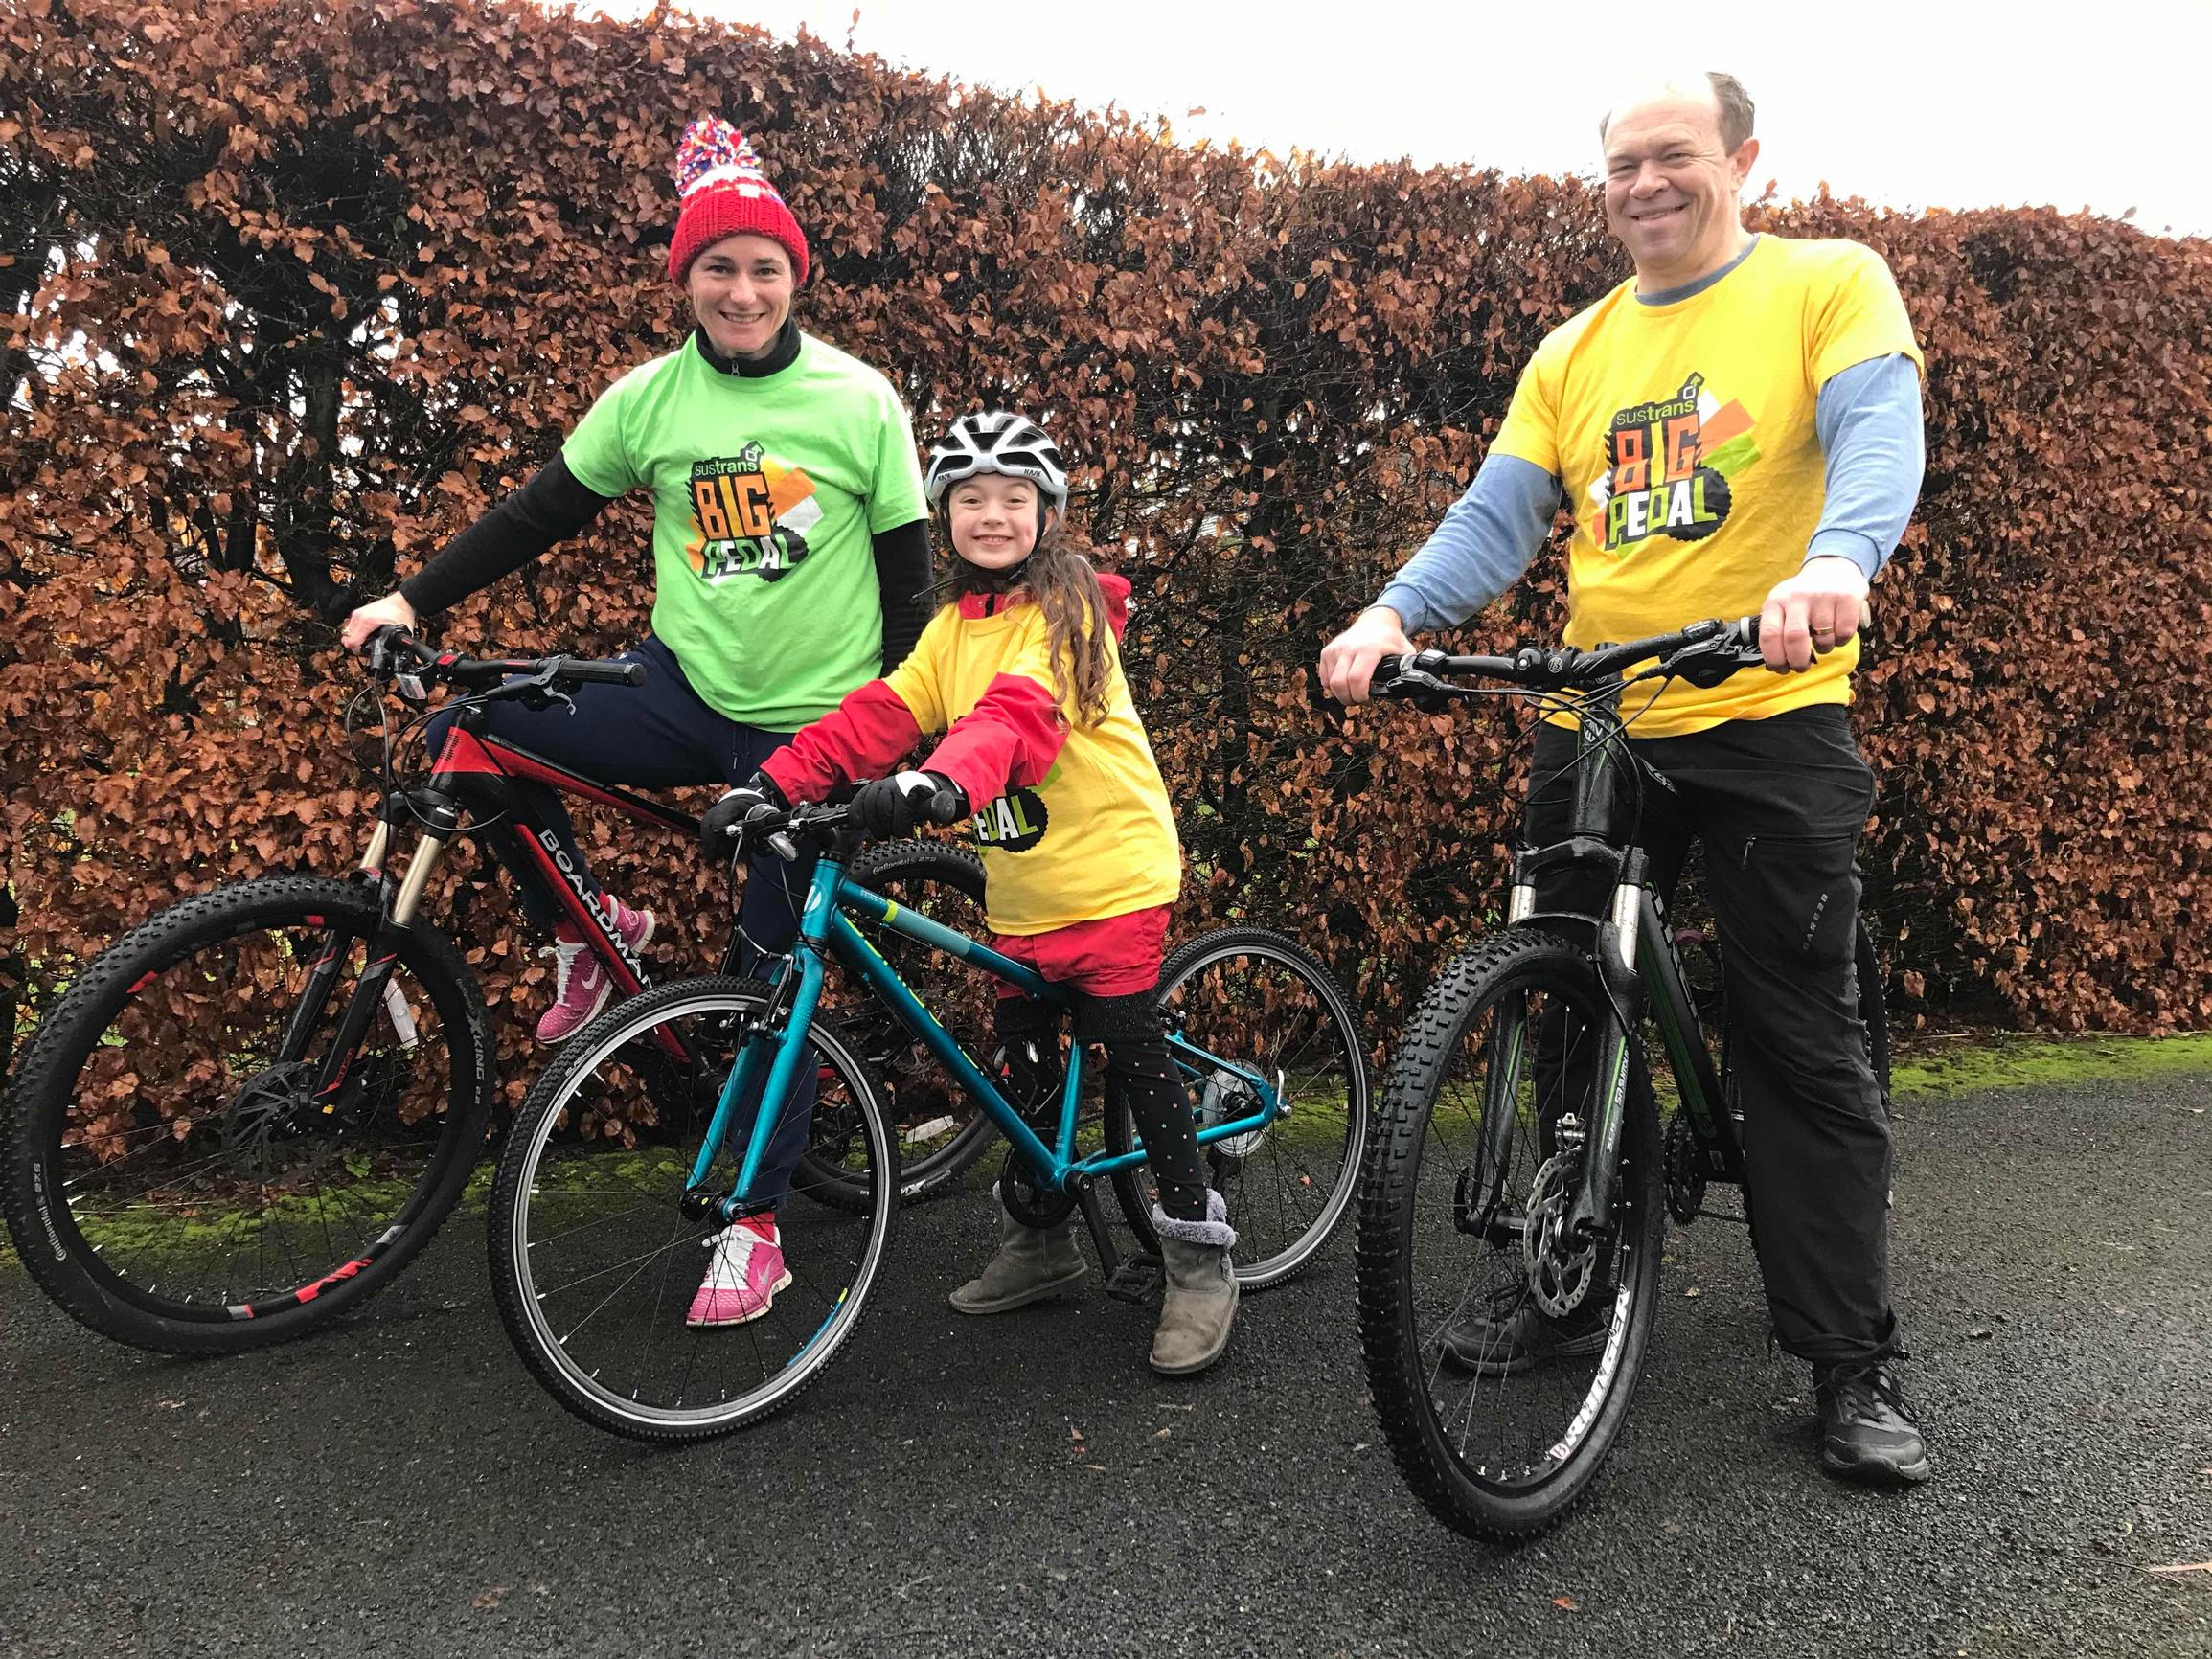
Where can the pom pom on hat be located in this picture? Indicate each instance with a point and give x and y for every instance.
(725, 192)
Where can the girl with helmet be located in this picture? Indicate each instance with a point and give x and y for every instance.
(790, 546)
(1021, 670)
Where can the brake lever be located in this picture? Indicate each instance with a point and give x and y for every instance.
(1420, 687)
(539, 691)
(1709, 663)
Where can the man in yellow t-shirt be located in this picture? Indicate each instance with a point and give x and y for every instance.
(1736, 430)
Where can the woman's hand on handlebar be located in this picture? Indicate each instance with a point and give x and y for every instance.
(1348, 661)
(391, 611)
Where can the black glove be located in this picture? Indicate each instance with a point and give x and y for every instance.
(891, 807)
(723, 827)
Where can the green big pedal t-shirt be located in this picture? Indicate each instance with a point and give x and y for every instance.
(767, 491)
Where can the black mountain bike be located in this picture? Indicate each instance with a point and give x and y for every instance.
(248, 1114)
(1512, 1211)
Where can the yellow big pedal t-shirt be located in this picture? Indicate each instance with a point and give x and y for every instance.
(1072, 820)
(1683, 437)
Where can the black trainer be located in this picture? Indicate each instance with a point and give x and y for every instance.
(1867, 1432)
(1512, 1335)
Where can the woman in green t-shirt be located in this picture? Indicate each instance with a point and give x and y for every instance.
(790, 546)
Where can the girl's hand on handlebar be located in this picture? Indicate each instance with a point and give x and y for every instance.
(722, 829)
(893, 807)
(391, 611)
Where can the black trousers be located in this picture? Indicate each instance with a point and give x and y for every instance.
(1778, 805)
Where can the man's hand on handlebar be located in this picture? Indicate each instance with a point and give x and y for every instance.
(391, 611)
(1348, 661)
(1818, 611)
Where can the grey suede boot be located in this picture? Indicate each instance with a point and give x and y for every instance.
(1202, 1300)
(1032, 1263)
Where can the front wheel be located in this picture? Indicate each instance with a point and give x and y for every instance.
(597, 1257)
(174, 1175)
(1255, 1023)
(1501, 1354)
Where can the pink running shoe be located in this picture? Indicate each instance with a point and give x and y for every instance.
(581, 981)
(742, 1279)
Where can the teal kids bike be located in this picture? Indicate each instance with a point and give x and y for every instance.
(624, 1163)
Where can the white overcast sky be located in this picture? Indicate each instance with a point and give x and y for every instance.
(1929, 103)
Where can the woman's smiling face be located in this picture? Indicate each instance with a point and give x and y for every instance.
(740, 291)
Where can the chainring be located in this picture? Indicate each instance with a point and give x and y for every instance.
(1685, 1165)
(1031, 1205)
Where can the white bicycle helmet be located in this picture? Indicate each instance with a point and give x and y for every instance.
(1001, 442)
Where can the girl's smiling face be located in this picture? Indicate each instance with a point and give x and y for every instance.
(995, 520)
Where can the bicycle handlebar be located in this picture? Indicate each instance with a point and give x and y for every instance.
(818, 824)
(395, 654)
(1706, 652)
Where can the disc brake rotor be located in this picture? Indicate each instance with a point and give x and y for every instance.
(1559, 1276)
(267, 1127)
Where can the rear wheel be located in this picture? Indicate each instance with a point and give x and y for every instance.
(1501, 1356)
(1274, 1022)
(173, 1179)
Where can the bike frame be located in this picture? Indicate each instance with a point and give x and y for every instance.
(1639, 971)
(473, 771)
(778, 1042)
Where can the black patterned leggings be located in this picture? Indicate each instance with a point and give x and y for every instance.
(1138, 1069)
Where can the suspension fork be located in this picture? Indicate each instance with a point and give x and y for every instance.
(441, 819)
(1622, 986)
(323, 973)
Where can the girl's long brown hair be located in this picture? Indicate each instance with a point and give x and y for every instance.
(1060, 583)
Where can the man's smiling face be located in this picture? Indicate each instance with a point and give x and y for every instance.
(1672, 188)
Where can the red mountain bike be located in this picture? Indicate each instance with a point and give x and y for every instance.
(249, 1114)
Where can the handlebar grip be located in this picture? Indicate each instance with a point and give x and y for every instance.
(587, 673)
(944, 806)
(387, 646)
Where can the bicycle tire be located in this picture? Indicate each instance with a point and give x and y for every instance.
(527, 1263)
(1307, 1219)
(902, 867)
(82, 1274)
(1463, 1495)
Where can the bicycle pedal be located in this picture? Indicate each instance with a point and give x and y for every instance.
(1139, 1278)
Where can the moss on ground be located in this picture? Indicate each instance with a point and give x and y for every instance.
(1986, 1060)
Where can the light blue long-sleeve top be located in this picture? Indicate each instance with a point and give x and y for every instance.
(1867, 418)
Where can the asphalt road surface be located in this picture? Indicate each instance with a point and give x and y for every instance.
(1025, 1486)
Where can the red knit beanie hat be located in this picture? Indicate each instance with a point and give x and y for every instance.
(725, 191)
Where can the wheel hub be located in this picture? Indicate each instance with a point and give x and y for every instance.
(1227, 1098)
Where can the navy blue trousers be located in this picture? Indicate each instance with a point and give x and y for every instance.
(661, 734)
